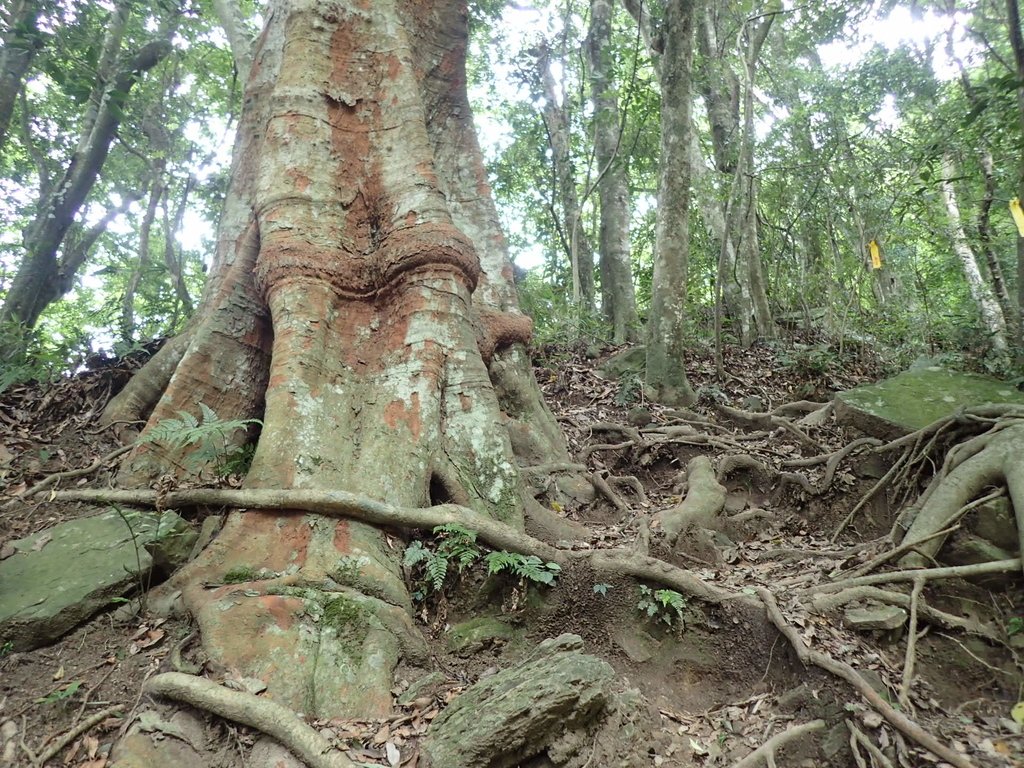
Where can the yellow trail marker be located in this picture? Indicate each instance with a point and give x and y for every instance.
(1018, 215)
(876, 256)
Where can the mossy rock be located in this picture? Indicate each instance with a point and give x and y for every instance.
(476, 632)
(914, 399)
(628, 361)
(59, 577)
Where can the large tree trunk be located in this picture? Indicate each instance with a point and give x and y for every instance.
(666, 328)
(360, 248)
(618, 298)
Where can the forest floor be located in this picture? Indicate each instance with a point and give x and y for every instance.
(717, 687)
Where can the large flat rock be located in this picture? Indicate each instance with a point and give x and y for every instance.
(60, 577)
(894, 407)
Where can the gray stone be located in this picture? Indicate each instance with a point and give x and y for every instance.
(419, 687)
(632, 360)
(60, 577)
(476, 632)
(967, 549)
(521, 710)
(636, 644)
(916, 398)
(872, 617)
(576, 488)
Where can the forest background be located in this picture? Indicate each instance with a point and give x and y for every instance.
(852, 166)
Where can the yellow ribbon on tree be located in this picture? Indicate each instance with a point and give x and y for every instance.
(876, 256)
(1018, 215)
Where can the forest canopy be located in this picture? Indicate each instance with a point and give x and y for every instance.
(853, 167)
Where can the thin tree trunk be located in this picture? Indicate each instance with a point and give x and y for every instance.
(577, 244)
(156, 195)
(20, 44)
(229, 14)
(752, 250)
(618, 298)
(995, 269)
(173, 256)
(666, 328)
(988, 308)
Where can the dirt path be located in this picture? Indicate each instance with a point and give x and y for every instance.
(720, 682)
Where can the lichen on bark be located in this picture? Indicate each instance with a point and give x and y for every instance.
(362, 304)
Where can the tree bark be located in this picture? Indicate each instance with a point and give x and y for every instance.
(618, 297)
(362, 301)
(988, 309)
(666, 327)
(1017, 43)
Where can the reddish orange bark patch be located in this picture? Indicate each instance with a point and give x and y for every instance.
(280, 609)
(342, 538)
(396, 413)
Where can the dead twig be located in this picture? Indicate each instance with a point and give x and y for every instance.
(51, 480)
(949, 572)
(828, 602)
(883, 558)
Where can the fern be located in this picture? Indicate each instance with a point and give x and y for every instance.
(525, 567)
(209, 438)
(455, 546)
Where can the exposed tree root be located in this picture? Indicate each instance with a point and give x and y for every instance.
(917, 449)
(897, 719)
(344, 504)
(602, 486)
(766, 752)
(704, 500)
(770, 421)
(990, 459)
(949, 572)
(857, 738)
(587, 450)
(53, 749)
(269, 717)
(829, 602)
(910, 657)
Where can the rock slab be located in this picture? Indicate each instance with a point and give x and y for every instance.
(58, 578)
(914, 399)
(515, 714)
